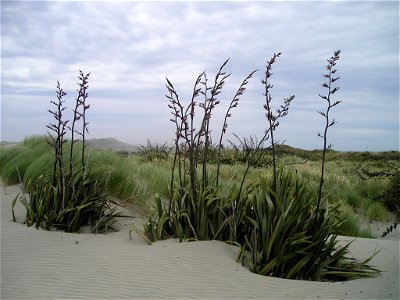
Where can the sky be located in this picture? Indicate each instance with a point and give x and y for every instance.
(130, 48)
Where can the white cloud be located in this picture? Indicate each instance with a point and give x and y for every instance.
(130, 47)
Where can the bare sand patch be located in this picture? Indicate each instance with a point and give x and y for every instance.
(39, 264)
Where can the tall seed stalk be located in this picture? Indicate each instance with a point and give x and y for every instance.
(273, 122)
(209, 104)
(180, 119)
(191, 136)
(82, 96)
(234, 103)
(79, 102)
(189, 141)
(79, 112)
(194, 144)
(57, 142)
(328, 122)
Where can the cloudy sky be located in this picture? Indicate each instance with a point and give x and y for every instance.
(131, 47)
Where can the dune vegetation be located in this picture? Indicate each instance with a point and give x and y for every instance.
(138, 177)
(281, 226)
(283, 207)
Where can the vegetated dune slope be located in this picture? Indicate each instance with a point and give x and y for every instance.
(39, 264)
(111, 144)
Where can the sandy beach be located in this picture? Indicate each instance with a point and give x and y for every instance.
(39, 264)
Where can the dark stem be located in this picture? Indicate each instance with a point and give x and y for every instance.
(271, 130)
(234, 103)
(331, 63)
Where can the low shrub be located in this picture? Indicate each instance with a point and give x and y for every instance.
(392, 196)
(154, 152)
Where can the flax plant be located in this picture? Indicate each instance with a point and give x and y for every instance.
(270, 220)
(194, 197)
(69, 199)
(277, 237)
(193, 143)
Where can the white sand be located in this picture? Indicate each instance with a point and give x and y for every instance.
(37, 264)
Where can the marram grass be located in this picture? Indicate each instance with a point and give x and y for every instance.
(132, 178)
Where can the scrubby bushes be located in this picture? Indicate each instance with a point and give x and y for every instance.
(392, 196)
(154, 152)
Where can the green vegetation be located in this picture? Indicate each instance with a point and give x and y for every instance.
(281, 238)
(63, 192)
(391, 197)
(132, 178)
(282, 227)
(128, 178)
(154, 152)
(275, 203)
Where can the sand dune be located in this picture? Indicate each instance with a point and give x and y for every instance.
(111, 144)
(38, 264)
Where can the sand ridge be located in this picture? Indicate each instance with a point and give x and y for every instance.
(39, 264)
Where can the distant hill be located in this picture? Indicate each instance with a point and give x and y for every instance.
(8, 144)
(283, 150)
(337, 155)
(111, 144)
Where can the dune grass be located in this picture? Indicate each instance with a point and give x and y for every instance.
(352, 225)
(138, 180)
(127, 177)
(19, 158)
